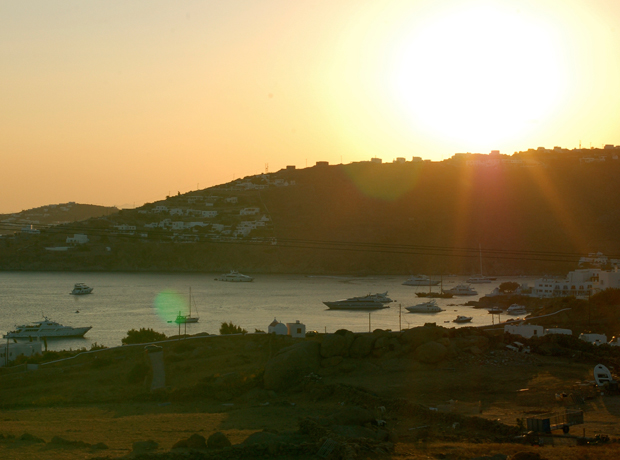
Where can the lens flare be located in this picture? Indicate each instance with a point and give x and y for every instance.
(168, 304)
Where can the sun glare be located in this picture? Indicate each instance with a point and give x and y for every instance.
(479, 75)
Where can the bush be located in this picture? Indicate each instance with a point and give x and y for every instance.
(137, 373)
(230, 328)
(144, 335)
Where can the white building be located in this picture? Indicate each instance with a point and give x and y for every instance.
(19, 349)
(125, 228)
(557, 330)
(578, 283)
(77, 238)
(249, 211)
(277, 328)
(524, 330)
(160, 209)
(232, 199)
(30, 229)
(596, 339)
(209, 213)
(296, 329)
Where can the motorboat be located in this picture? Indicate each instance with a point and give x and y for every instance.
(184, 319)
(420, 280)
(380, 296)
(426, 307)
(495, 311)
(479, 279)
(516, 310)
(462, 319)
(235, 277)
(462, 289)
(81, 289)
(435, 295)
(46, 328)
(356, 303)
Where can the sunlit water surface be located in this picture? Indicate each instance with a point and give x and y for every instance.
(123, 301)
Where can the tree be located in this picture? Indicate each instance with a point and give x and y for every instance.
(144, 335)
(230, 328)
(508, 287)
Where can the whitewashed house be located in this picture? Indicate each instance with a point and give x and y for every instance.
(160, 208)
(557, 330)
(77, 238)
(232, 200)
(177, 212)
(524, 330)
(296, 329)
(596, 339)
(578, 283)
(277, 328)
(19, 349)
(209, 213)
(249, 211)
(125, 228)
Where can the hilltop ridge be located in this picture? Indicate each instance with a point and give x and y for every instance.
(532, 212)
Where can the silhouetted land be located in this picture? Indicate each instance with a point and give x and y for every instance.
(531, 213)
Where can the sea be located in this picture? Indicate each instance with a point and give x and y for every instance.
(124, 301)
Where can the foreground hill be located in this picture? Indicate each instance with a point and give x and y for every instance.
(426, 392)
(527, 214)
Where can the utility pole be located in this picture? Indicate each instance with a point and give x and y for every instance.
(400, 312)
(369, 328)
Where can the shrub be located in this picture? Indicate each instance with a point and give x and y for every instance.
(230, 328)
(137, 373)
(144, 335)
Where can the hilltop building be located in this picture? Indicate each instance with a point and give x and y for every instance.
(578, 283)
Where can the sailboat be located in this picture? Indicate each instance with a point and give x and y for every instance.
(479, 279)
(435, 295)
(184, 319)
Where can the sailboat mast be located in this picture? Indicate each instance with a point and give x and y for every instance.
(480, 249)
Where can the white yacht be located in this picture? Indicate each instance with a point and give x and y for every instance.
(461, 289)
(462, 319)
(516, 310)
(81, 289)
(380, 296)
(235, 277)
(356, 303)
(46, 328)
(420, 280)
(426, 307)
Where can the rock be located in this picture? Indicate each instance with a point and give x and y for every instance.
(420, 335)
(333, 345)
(492, 457)
(382, 342)
(352, 415)
(431, 353)
(475, 350)
(197, 441)
(145, 446)
(526, 456)
(361, 346)
(99, 446)
(331, 362)
(218, 441)
(27, 437)
(465, 343)
(181, 444)
(349, 337)
(261, 437)
(230, 380)
(291, 364)
(355, 432)
(57, 441)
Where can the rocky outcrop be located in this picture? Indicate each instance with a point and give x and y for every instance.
(333, 345)
(431, 353)
(291, 364)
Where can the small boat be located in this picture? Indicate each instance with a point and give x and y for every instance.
(235, 277)
(462, 319)
(420, 280)
(462, 289)
(516, 310)
(426, 307)
(184, 319)
(46, 328)
(495, 310)
(356, 303)
(81, 289)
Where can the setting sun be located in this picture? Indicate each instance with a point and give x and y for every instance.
(479, 73)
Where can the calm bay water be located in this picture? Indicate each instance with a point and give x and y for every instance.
(123, 301)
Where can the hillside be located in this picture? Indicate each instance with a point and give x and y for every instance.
(528, 214)
(53, 214)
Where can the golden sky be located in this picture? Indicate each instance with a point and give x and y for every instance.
(122, 102)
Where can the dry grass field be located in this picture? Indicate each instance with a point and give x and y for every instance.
(214, 384)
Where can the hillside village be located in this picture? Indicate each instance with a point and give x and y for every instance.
(371, 202)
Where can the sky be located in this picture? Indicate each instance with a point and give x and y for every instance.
(124, 102)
